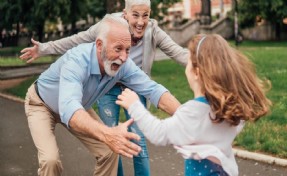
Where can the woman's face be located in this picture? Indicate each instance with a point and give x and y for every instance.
(137, 17)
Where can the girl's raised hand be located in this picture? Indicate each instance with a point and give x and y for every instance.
(127, 98)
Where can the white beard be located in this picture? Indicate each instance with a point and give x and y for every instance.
(108, 67)
(108, 64)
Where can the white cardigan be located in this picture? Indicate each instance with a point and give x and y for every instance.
(191, 132)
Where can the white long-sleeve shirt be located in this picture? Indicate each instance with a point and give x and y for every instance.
(192, 133)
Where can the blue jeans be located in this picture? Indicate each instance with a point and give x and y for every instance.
(109, 113)
(203, 167)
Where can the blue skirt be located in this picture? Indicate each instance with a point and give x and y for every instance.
(203, 167)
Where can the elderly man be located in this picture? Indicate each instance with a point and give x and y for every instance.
(66, 91)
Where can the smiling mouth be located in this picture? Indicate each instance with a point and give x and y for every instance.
(139, 29)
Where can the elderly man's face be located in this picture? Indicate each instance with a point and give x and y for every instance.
(116, 50)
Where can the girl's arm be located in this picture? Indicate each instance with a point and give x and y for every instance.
(159, 132)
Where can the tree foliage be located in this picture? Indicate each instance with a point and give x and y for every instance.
(272, 10)
(34, 13)
(97, 9)
(43, 10)
(159, 8)
(75, 10)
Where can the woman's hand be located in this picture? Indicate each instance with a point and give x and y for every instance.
(127, 98)
(31, 53)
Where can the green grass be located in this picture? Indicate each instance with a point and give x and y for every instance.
(268, 134)
(15, 61)
(262, 44)
(9, 56)
(10, 51)
(21, 90)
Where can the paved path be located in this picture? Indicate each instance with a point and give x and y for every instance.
(18, 155)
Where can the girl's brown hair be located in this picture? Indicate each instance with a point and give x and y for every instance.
(228, 80)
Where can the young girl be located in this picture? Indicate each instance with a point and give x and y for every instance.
(227, 93)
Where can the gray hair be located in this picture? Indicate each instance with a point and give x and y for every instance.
(130, 3)
(105, 24)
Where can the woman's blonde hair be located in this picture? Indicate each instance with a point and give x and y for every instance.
(228, 80)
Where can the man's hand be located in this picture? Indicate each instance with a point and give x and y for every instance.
(31, 53)
(118, 139)
(127, 98)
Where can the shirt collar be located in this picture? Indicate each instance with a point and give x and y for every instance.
(201, 99)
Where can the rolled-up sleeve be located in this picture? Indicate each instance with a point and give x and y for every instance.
(135, 79)
(70, 90)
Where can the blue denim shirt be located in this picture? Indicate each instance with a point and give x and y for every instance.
(74, 82)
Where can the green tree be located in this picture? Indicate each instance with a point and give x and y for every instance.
(11, 14)
(97, 8)
(273, 11)
(43, 10)
(159, 8)
(76, 10)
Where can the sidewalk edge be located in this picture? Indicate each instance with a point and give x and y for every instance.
(237, 152)
(259, 157)
(11, 97)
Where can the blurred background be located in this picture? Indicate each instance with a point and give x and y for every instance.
(46, 20)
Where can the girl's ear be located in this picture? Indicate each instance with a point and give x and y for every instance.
(196, 73)
(125, 13)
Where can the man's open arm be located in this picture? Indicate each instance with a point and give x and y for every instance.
(168, 103)
(117, 138)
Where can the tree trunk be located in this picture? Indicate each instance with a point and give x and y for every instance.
(205, 14)
(205, 7)
(277, 31)
(1, 39)
(74, 27)
(236, 25)
(40, 29)
(17, 32)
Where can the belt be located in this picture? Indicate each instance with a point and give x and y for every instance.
(37, 90)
